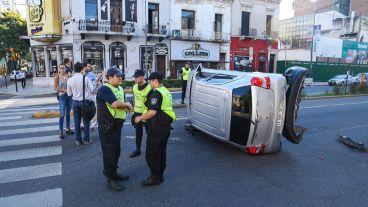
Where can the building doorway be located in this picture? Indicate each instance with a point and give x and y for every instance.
(161, 64)
(271, 66)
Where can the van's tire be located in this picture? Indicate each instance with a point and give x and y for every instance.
(295, 78)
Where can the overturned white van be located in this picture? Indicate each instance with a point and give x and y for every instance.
(248, 110)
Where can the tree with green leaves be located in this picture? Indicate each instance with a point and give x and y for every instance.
(12, 27)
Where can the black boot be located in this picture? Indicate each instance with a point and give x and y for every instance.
(113, 185)
(151, 181)
(135, 153)
(120, 177)
(61, 135)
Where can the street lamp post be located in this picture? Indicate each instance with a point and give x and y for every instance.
(145, 38)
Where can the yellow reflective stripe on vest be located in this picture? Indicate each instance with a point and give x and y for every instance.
(186, 73)
(166, 105)
(140, 97)
(119, 94)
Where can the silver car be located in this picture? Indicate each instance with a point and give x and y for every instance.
(248, 110)
(341, 80)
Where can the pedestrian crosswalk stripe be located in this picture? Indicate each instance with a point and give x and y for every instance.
(28, 122)
(25, 141)
(18, 113)
(30, 153)
(30, 172)
(9, 118)
(29, 130)
(29, 109)
(48, 198)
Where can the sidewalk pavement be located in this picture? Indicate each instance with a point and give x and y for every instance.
(29, 90)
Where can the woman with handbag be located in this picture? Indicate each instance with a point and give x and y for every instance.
(65, 101)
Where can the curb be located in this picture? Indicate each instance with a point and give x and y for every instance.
(56, 114)
(331, 97)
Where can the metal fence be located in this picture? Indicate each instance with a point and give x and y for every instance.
(322, 72)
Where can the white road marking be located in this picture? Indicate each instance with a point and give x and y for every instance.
(48, 198)
(9, 118)
(29, 130)
(32, 140)
(337, 130)
(28, 122)
(332, 105)
(31, 109)
(30, 153)
(30, 172)
(17, 113)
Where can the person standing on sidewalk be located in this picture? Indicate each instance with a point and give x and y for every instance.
(184, 73)
(75, 89)
(65, 101)
(141, 89)
(92, 77)
(111, 114)
(160, 115)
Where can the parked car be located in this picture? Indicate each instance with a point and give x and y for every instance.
(358, 78)
(18, 74)
(341, 80)
(250, 111)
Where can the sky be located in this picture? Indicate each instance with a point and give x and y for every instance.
(286, 10)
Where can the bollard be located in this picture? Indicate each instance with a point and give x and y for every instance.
(6, 83)
(16, 85)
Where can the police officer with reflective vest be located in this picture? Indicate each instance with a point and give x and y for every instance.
(160, 115)
(185, 75)
(141, 89)
(111, 114)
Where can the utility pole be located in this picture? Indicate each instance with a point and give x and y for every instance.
(145, 38)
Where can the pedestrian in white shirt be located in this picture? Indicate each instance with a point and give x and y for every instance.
(75, 89)
(92, 77)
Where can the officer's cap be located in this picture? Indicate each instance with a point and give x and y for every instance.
(156, 75)
(114, 71)
(139, 73)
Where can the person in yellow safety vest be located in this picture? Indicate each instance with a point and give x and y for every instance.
(184, 73)
(160, 115)
(111, 114)
(141, 90)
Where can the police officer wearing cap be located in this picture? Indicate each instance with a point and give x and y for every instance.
(141, 89)
(111, 114)
(160, 115)
(184, 73)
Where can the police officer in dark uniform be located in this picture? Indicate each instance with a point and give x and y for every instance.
(111, 114)
(141, 90)
(160, 115)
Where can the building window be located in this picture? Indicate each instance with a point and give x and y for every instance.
(150, 50)
(245, 23)
(116, 14)
(268, 25)
(187, 19)
(218, 23)
(93, 53)
(91, 9)
(153, 18)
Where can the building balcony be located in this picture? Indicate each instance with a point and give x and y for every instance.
(273, 35)
(251, 33)
(186, 34)
(158, 31)
(220, 37)
(106, 28)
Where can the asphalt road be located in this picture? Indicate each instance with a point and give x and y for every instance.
(201, 171)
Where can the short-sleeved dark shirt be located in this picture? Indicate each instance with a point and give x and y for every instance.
(104, 94)
(154, 103)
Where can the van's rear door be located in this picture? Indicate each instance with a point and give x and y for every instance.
(295, 77)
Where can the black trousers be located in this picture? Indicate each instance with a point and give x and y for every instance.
(110, 137)
(138, 131)
(183, 89)
(157, 138)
